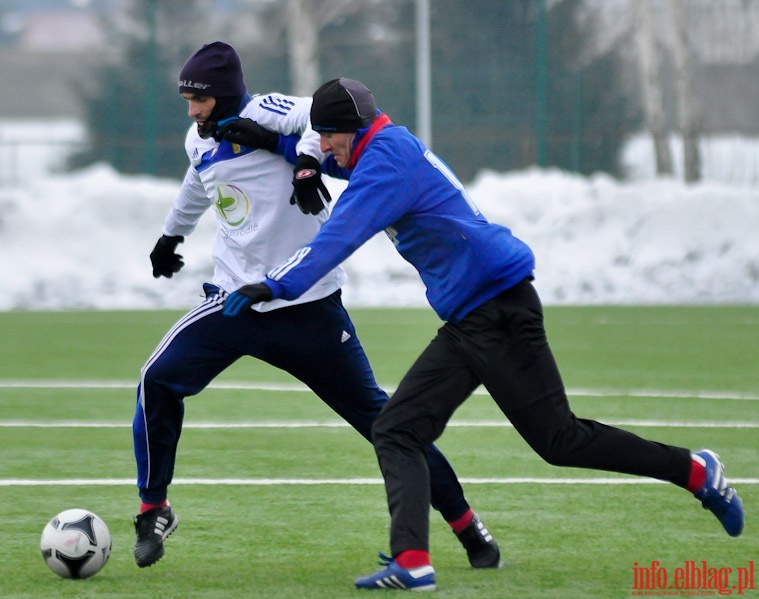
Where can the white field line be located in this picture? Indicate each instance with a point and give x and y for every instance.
(268, 482)
(355, 481)
(291, 387)
(297, 387)
(501, 423)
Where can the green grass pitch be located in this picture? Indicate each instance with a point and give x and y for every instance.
(277, 499)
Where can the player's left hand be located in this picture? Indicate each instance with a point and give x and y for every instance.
(309, 191)
(248, 132)
(241, 300)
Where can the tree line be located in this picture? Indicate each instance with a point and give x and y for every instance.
(514, 83)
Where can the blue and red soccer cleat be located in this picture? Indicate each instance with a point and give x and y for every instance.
(718, 496)
(396, 578)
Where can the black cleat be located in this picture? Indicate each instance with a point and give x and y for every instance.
(152, 528)
(480, 545)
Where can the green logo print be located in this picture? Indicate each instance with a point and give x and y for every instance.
(232, 204)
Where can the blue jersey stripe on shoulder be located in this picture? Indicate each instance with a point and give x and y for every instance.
(224, 151)
(277, 105)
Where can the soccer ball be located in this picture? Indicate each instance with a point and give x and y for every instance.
(76, 544)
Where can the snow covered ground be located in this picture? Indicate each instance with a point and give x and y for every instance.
(81, 240)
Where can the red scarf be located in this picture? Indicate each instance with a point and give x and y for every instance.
(379, 123)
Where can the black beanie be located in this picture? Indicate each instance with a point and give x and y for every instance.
(214, 70)
(343, 106)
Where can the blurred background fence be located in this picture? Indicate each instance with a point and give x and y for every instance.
(572, 84)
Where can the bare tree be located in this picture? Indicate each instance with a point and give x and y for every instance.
(303, 45)
(686, 98)
(305, 20)
(652, 93)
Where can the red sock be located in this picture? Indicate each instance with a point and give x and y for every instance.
(412, 558)
(144, 507)
(697, 476)
(461, 523)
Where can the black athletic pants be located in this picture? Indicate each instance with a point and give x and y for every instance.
(502, 345)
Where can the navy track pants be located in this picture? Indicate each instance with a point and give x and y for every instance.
(315, 342)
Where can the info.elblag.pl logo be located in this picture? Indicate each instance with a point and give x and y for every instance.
(692, 579)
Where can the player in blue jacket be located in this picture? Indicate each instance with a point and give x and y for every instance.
(479, 281)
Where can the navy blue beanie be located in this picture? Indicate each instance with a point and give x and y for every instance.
(214, 70)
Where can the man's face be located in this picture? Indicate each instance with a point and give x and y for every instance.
(339, 144)
(200, 107)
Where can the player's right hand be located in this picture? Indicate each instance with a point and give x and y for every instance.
(163, 257)
(240, 301)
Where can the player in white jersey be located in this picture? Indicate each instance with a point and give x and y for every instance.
(250, 188)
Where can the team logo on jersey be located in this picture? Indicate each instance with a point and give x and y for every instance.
(232, 204)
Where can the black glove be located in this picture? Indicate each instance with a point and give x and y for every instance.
(309, 191)
(247, 295)
(165, 261)
(247, 132)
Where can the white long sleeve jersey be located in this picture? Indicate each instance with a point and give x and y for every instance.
(256, 226)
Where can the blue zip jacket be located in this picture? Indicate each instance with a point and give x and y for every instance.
(401, 187)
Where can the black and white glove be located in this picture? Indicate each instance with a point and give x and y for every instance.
(163, 257)
(309, 191)
(241, 300)
(248, 132)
